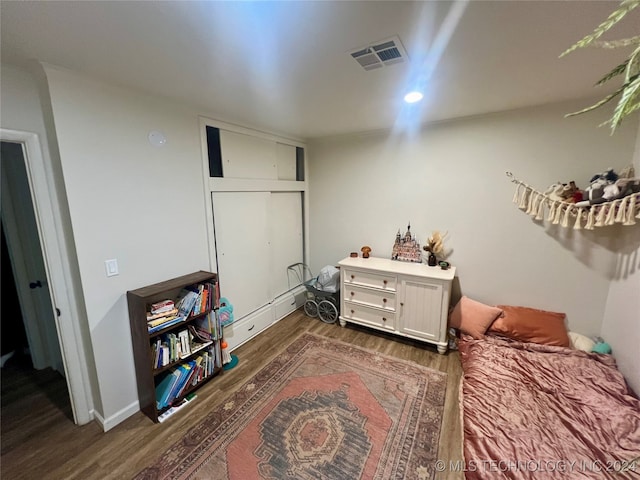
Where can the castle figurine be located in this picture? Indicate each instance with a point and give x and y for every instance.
(407, 248)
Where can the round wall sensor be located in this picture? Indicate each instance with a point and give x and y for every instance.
(157, 139)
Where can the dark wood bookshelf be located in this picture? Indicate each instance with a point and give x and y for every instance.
(139, 301)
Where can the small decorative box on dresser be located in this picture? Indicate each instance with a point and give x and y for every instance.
(408, 299)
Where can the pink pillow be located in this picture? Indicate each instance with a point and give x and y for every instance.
(527, 324)
(473, 317)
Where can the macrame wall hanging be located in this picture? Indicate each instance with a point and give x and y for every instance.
(537, 204)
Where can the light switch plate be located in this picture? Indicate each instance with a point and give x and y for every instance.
(111, 267)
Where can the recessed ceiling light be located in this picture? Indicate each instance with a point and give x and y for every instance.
(413, 97)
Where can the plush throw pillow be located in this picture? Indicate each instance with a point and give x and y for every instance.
(472, 317)
(581, 342)
(531, 325)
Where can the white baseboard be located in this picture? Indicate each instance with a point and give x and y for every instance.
(118, 417)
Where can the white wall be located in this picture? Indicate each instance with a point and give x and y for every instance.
(451, 177)
(363, 189)
(128, 200)
(621, 324)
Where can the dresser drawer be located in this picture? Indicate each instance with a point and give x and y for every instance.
(369, 297)
(367, 279)
(370, 317)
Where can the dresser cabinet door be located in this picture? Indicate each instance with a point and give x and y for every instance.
(420, 310)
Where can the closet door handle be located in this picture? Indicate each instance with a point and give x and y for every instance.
(36, 284)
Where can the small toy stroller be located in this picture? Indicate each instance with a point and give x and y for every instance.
(323, 291)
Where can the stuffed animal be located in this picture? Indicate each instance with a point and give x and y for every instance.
(609, 175)
(569, 192)
(601, 190)
(601, 347)
(554, 192)
(562, 192)
(628, 186)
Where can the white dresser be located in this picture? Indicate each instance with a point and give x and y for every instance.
(407, 299)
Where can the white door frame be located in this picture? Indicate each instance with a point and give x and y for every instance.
(58, 262)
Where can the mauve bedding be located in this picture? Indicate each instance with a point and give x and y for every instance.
(537, 411)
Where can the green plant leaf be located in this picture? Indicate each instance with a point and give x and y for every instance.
(634, 107)
(625, 7)
(613, 73)
(623, 42)
(631, 91)
(631, 63)
(605, 100)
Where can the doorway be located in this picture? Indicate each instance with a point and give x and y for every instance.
(13, 337)
(47, 202)
(27, 262)
(32, 365)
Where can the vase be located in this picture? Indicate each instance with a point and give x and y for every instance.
(432, 261)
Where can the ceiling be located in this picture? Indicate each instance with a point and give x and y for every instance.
(285, 66)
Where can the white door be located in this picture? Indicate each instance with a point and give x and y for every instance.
(27, 262)
(286, 239)
(420, 309)
(242, 249)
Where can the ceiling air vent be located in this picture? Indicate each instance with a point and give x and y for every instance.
(383, 53)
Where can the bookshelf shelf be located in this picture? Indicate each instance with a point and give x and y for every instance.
(163, 387)
(164, 368)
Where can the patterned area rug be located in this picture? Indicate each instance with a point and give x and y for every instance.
(322, 409)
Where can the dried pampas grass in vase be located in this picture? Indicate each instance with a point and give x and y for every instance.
(435, 246)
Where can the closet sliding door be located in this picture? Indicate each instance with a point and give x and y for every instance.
(286, 239)
(241, 222)
(258, 235)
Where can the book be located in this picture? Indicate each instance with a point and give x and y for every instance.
(165, 387)
(198, 303)
(163, 306)
(174, 408)
(165, 355)
(185, 343)
(151, 316)
(199, 335)
(157, 350)
(203, 302)
(187, 302)
(161, 320)
(183, 373)
(166, 324)
(184, 384)
(201, 329)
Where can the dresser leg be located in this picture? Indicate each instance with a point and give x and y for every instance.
(343, 323)
(442, 349)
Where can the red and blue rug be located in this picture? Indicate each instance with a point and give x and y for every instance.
(322, 409)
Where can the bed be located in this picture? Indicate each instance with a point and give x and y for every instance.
(540, 411)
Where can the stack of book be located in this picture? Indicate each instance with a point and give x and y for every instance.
(171, 347)
(158, 322)
(197, 300)
(179, 380)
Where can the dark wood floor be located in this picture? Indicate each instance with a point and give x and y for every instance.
(40, 441)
